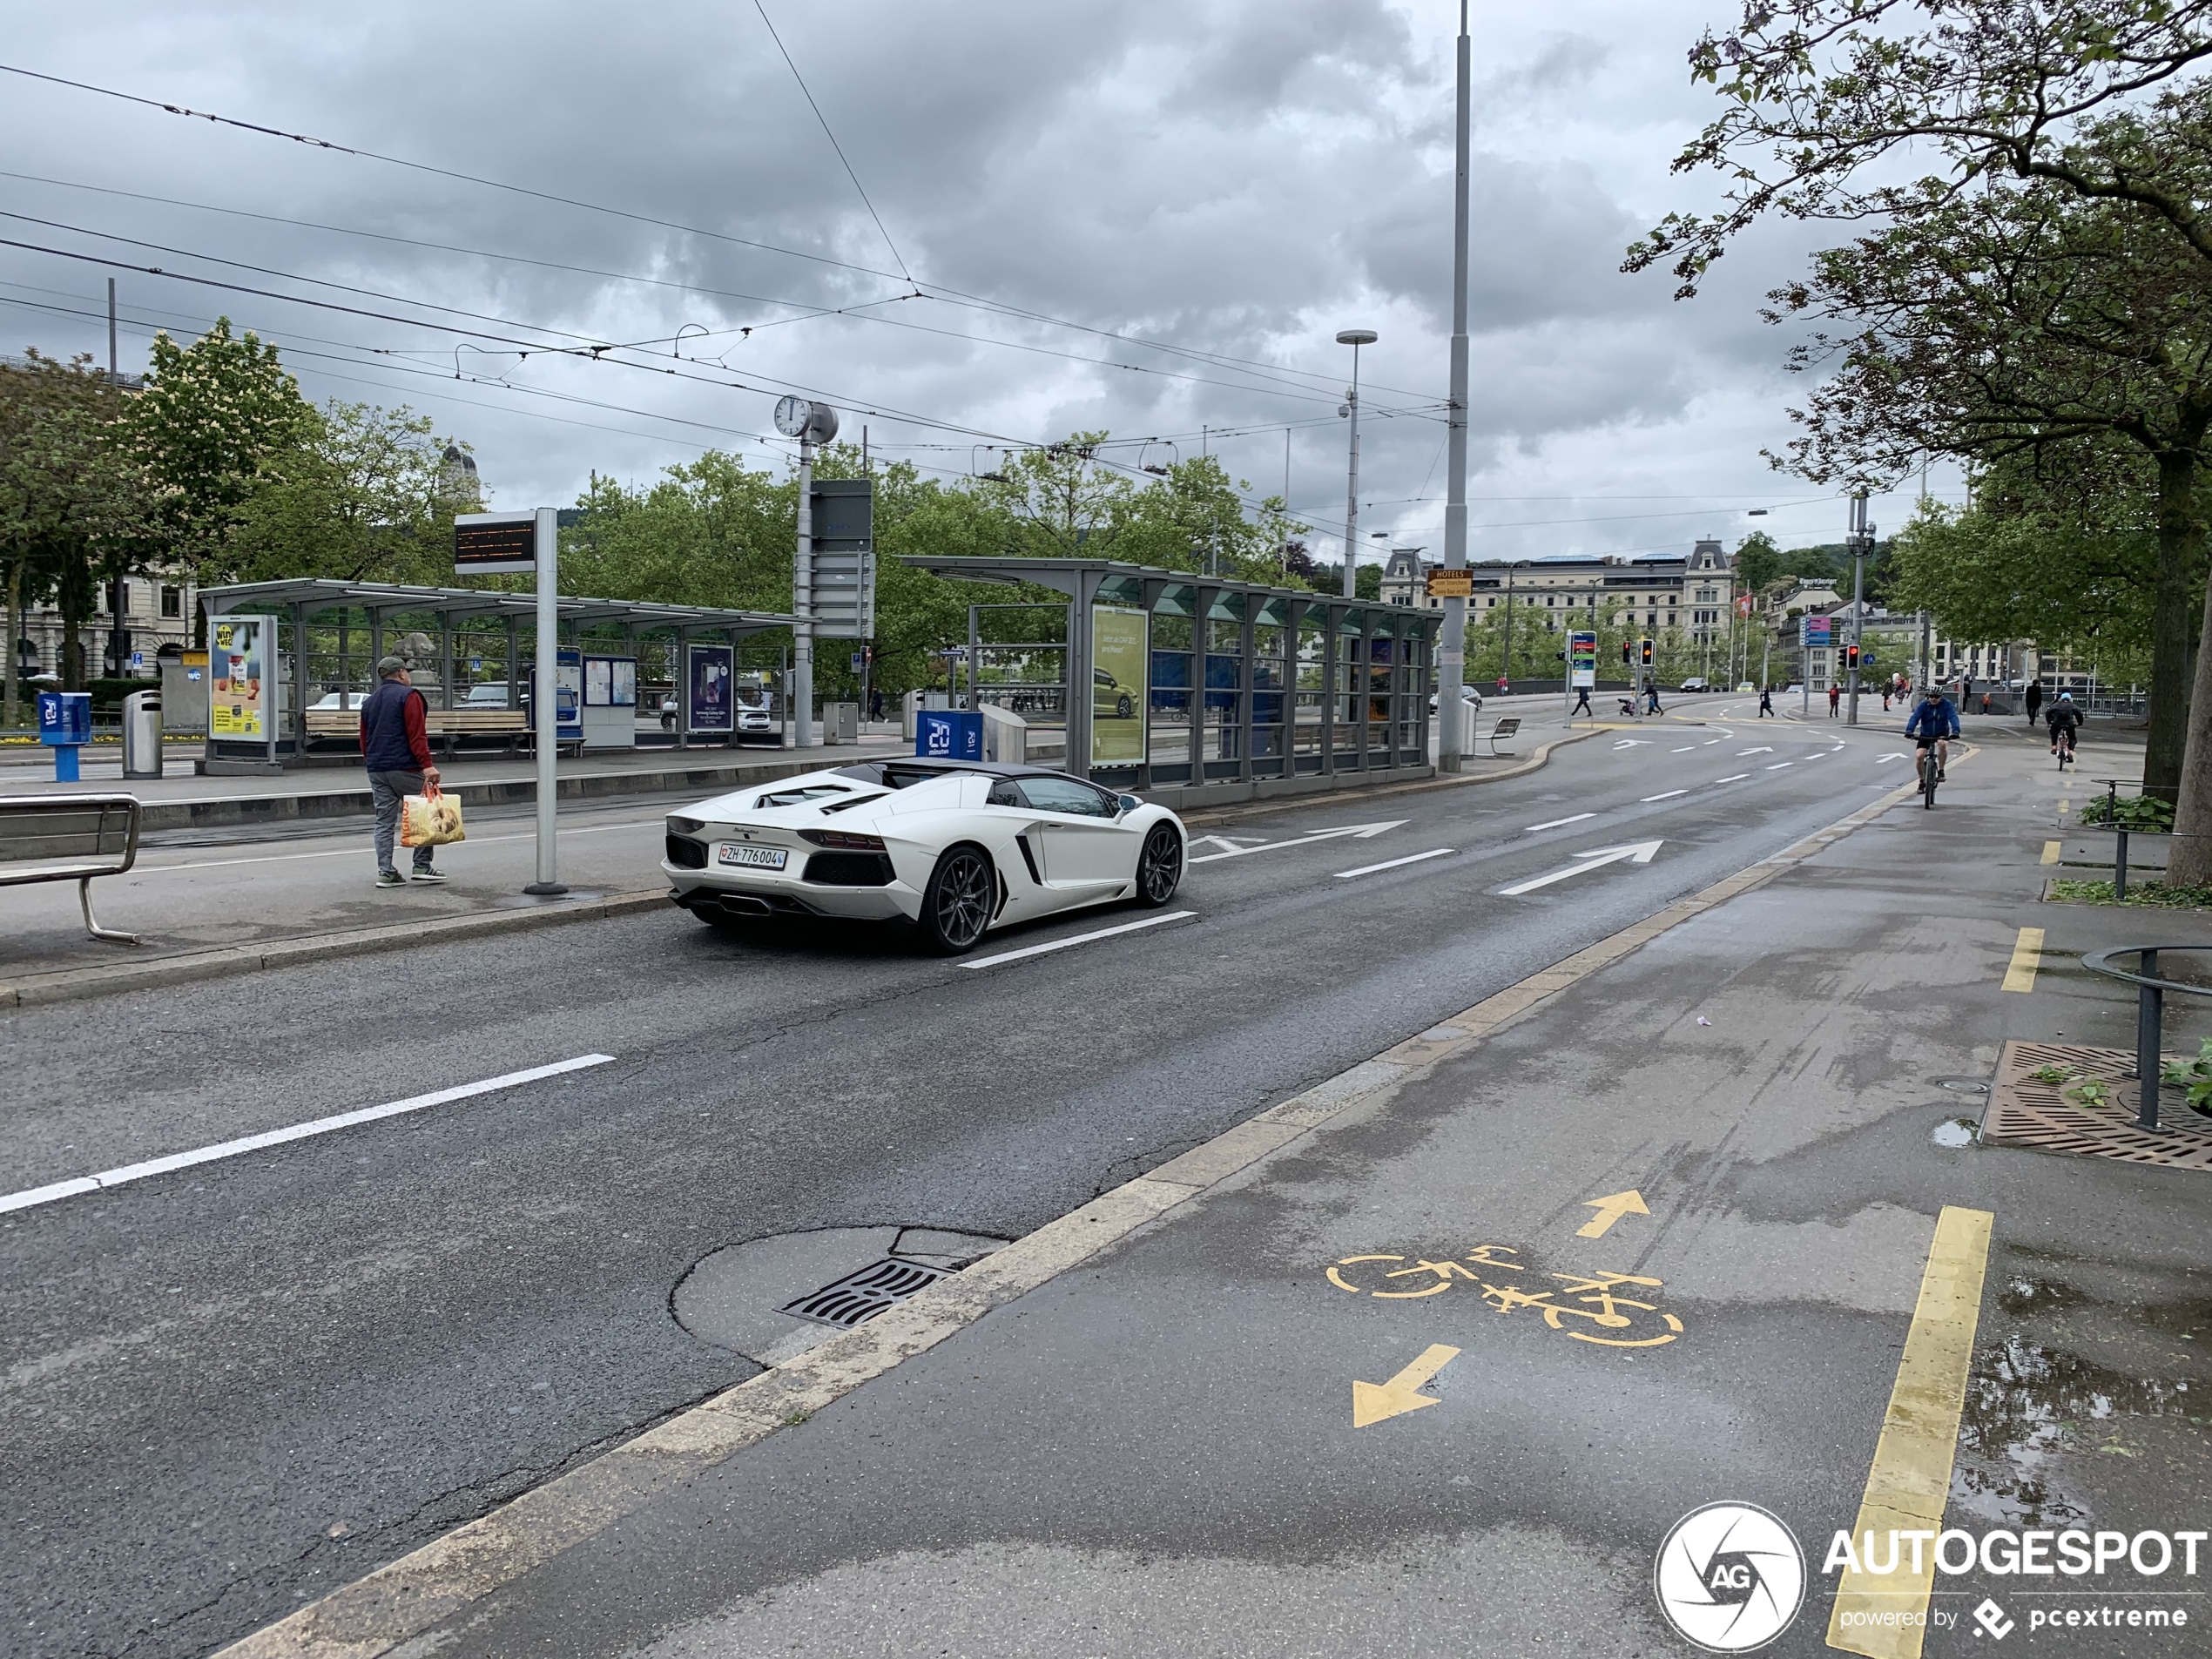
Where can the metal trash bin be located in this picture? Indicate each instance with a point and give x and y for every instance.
(142, 734)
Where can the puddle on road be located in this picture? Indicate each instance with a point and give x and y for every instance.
(2029, 1406)
(1956, 1131)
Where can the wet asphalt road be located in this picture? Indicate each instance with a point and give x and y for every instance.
(232, 1388)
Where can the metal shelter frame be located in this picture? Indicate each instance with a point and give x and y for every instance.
(298, 599)
(1378, 654)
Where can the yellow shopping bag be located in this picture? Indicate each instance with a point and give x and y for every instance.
(430, 819)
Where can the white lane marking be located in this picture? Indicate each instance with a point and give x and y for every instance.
(106, 1178)
(1556, 822)
(1357, 832)
(1685, 750)
(1734, 777)
(1391, 863)
(1597, 858)
(1763, 749)
(1710, 741)
(1081, 938)
(1886, 758)
(1669, 795)
(358, 851)
(1778, 765)
(1821, 754)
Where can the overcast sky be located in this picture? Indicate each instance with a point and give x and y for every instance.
(1142, 217)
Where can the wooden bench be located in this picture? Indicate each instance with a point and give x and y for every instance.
(1504, 728)
(511, 724)
(68, 838)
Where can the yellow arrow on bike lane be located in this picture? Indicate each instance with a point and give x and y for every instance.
(1377, 1402)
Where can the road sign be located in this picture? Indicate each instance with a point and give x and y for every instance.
(1582, 658)
(1450, 585)
(843, 520)
(1815, 633)
(494, 543)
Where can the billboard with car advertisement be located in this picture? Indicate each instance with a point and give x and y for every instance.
(1120, 649)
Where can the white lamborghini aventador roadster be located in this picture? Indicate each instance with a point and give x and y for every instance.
(956, 847)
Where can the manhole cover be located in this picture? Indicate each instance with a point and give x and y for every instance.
(864, 1294)
(1961, 1085)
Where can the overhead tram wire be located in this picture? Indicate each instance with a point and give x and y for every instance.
(812, 314)
(1217, 358)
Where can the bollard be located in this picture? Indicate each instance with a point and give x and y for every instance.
(2150, 1009)
(2119, 869)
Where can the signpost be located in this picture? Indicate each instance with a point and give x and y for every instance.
(1581, 663)
(811, 423)
(503, 544)
(1814, 633)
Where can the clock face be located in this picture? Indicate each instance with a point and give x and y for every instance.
(791, 415)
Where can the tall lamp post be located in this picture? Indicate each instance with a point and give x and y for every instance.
(811, 423)
(1452, 658)
(1354, 338)
(1862, 538)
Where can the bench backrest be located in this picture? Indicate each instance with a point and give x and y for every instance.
(1507, 727)
(47, 837)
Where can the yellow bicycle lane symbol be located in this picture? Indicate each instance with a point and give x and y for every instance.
(1583, 1296)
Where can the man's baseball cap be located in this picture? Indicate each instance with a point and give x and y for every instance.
(390, 666)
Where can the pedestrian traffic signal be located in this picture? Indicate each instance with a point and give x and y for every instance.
(1647, 653)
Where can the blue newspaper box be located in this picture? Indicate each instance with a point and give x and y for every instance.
(65, 717)
(949, 734)
(65, 726)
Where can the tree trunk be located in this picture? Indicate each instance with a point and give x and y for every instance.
(2181, 543)
(2189, 863)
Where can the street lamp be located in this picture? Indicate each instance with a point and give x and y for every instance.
(1354, 338)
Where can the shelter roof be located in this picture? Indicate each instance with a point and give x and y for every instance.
(1175, 592)
(321, 593)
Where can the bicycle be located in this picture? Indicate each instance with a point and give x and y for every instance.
(1931, 773)
(2062, 741)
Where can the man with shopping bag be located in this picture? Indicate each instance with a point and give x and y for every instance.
(395, 745)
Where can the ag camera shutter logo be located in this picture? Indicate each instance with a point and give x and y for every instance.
(1730, 1577)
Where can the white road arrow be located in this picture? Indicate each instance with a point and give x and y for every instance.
(1890, 757)
(1357, 832)
(1596, 857)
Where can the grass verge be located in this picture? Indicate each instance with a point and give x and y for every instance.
(2151, 895)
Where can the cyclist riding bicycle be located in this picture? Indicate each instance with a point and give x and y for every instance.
(1934, 723)
(2063, 720)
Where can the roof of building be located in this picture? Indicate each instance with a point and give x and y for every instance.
(319, 593)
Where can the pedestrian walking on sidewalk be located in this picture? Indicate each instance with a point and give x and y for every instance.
(1583, 703)
(2034, 701)
(395, 747)
(1652, 693)
(1835, 697)
(1766, 701)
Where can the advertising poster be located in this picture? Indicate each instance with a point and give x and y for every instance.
(1582, 658)
(599, 682)
(1120, 649)
(712, 694)
(237, 659)
(625, 689)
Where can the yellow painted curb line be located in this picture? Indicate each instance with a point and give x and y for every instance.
(1911, 1477)
(429, 1585)
(2027, 956)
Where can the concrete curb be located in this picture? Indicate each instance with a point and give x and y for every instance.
(429, 1585)
(69, 984)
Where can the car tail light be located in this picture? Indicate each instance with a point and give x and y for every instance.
(843, 840)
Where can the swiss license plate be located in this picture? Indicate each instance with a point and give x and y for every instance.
(758, 858)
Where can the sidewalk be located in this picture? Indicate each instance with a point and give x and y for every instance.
(1659, 1227)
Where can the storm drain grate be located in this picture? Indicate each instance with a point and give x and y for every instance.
(862, 1295)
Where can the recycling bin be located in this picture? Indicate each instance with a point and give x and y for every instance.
(142, 734)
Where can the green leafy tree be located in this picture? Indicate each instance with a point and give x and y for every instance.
(365, 497)
(77, 507)
(213, 424)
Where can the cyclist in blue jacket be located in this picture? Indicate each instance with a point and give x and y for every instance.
(1934, 722)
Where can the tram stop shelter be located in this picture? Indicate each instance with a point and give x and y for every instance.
(1229, 689)
(288, 662)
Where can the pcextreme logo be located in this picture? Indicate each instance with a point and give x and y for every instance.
(1730, 1577)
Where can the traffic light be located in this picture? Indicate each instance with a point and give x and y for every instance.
(1850, 657)
(1627, 657)
(1647, 653)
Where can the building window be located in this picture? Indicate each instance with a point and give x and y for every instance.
(173, 602)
